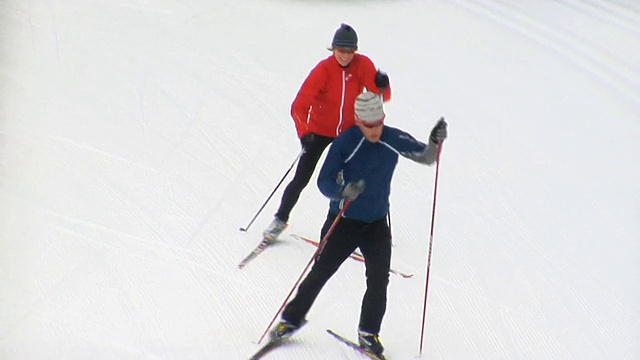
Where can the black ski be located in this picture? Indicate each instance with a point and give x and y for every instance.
(264, 350)
(355, 346)
(257, 251)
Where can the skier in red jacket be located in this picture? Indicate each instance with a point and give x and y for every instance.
(323, 109)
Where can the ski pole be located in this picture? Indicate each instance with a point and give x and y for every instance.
(433, 216)
(389, 220)
(389, 213)
(315, 255)
(273, 192)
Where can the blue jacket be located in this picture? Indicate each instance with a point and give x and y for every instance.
(359, 159)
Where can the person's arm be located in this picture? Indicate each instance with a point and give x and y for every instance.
(328, 177)
(427, 157)
(305, 99)
(376, 81)
(409, 147)
(330, 181)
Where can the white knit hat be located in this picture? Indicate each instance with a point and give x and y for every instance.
(369, 107)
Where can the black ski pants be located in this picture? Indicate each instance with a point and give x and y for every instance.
(306, 165)
(374, 241)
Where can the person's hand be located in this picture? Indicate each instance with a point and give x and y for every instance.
(352, 190)
(382, 80)
(439, 132)
(307, 139)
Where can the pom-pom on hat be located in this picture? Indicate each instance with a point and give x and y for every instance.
(345, 38)
(369, 109)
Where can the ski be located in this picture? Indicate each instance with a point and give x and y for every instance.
(356, 256)
(257, 251)
(355, 346)
(264, 350)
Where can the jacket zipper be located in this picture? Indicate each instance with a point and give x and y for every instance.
(344, 87)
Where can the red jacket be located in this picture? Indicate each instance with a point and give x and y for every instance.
(324, 104)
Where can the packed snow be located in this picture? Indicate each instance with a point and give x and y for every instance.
(138, 136)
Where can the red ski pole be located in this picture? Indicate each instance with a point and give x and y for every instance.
(433, 216)
(315, 255)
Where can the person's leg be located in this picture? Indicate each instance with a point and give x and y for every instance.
(304, 171)
(336, 250)
(375, 245)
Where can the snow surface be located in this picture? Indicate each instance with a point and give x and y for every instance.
(137, 136)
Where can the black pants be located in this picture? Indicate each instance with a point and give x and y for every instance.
(306, 166)
(374, 241)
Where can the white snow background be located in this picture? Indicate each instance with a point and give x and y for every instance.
(137, 136)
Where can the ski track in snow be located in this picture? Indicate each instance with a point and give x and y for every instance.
(593, 58)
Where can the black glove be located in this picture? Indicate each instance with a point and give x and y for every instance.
(352, 190)
(439, 132)
(382, 80)
(307, 139)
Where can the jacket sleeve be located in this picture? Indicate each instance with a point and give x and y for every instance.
(329, 180)
(407, 146)
(305, 99)
(369, 72)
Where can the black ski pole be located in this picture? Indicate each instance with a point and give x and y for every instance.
(273, 192)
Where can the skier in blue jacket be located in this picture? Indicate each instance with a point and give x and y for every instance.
(359, 168)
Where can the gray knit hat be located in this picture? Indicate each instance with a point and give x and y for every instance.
(345, 37)
(369, 108)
